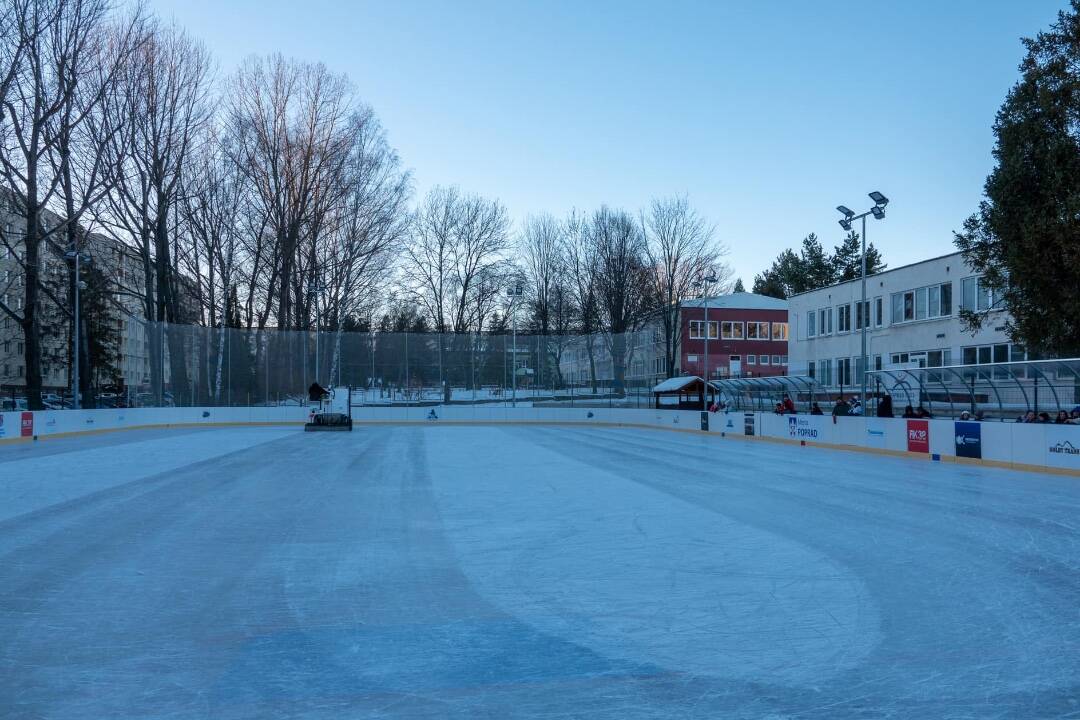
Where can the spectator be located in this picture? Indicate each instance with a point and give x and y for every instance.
(884, 407)
(841, 408)
(789, 406)
(909, 412)
(965, 415)
(1044, 417)
(1030, 417)
(1062, 418)
(979, 416)
(778, 408)
(856, 407)
(1074, 416)
(922, 413)
(815, 409)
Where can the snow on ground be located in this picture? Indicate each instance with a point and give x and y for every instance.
(503, 572)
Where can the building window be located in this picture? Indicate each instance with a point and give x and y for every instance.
(779, 331)
(825, 371)
(764, 359)
(977, 297)
(810, 367)
(811, 324)
(986, 354)
(697, 330)
(843, 371)
(775, 359)
(879, 312)
(862, 315)
(922, 303)
(751, 359)
(825, 321)
(757, 331)
(660, 366)
(843, 318)
(877, 362)
(731, 330)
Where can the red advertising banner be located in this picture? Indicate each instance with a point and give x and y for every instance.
(27, 424)
(918, 436)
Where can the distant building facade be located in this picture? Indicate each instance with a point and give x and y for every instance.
(912, 319)
(747, 336)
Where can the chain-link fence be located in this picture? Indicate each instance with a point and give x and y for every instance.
(174, 365)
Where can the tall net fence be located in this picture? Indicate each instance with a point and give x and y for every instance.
(176, 365)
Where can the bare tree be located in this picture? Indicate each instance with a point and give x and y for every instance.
(681, 251)
(455, 241)
(621, 278)
(56, 78)
(167, 91)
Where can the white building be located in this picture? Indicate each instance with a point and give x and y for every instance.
(913, 321)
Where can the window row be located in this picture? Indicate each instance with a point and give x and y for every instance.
(735, 330)
(923, 303)
(766, 359)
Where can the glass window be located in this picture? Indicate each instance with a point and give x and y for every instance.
(970, 356)
(764, 359)
(897, 308)
(879, 312)
(697, 330)
(775, 359)
(920, 304)
(934, 299)
(985, 354)
(811, 324)
(843, 318)
(757, 331)
(825, 321)
(825, 371)
(732, 330)
(779, 331)
(751, 359)
(1001, 353)
(810, 369)
(946, 299)
(970, 288)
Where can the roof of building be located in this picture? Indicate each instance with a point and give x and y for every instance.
(739, 301)
(675, 384)
(878, 274)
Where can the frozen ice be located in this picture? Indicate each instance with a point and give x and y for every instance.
(503, 572)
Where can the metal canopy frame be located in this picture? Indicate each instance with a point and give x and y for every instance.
(1015, 387)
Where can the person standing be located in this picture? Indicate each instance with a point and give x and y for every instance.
(884, 408)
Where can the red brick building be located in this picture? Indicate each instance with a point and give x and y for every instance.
(748, 336)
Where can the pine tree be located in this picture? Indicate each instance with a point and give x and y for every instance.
(739, 287)
(1025, 237)
(847, 259)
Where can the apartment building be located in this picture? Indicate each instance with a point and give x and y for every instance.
(747, 336)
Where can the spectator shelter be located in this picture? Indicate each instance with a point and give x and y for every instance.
(680, 393)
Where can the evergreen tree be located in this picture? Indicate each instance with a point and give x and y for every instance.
(847, 259)
(1025, 237)
(739, 287)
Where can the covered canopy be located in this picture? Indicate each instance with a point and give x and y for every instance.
(689, 389)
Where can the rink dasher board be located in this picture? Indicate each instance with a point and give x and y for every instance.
(1036, 448)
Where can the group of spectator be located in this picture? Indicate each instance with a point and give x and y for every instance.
(1063, 418)
(844, 408)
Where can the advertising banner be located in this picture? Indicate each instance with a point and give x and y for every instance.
(704, 420)
(1063, 446)
(918, 436)
(802, 427)
(968, 439)
(27, 428)
(748, 423)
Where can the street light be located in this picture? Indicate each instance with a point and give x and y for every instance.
(878, 211)
(316, 291)
(703, 283)
(514, 292)
(75, 257)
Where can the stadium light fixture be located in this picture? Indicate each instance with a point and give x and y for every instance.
(878, 212)
(846, 224)
(879, 199)
(847, 212)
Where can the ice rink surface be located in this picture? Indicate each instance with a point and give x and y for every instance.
(511, 572)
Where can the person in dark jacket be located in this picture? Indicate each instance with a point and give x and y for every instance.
(815, 409)
(841, 408)
(316, 393)
(909, 412)
(884, 407)
(922, 413)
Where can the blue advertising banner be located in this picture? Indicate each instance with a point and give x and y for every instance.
(968, 439)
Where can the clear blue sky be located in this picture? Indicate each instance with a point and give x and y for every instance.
(767, 115)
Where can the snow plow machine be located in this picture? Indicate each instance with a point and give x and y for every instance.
(325, 416)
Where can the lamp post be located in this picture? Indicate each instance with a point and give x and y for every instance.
(514, 292)
(878, 211)
(704, 283)
(76, 256)
(317, 290)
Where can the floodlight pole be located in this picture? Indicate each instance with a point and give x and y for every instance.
(878, 211)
